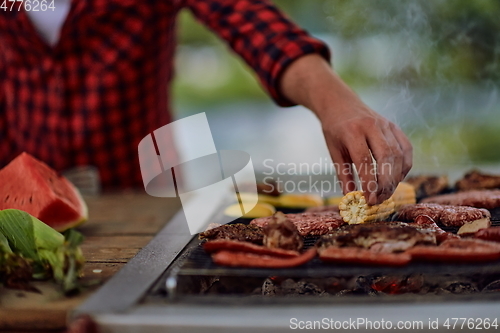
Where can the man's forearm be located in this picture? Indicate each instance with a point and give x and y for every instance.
(353, 132)
(311, 82)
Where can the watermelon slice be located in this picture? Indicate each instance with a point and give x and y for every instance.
(30, 185)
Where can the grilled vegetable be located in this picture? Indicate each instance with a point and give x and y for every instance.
(404, 194)
(293, 200)
(30, 247)
(354, 209)
(260, 210)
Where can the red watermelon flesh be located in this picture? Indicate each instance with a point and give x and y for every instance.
(30, 185)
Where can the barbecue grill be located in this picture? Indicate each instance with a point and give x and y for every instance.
(172, 283)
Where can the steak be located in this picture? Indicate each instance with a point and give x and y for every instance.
(488, 199)
(307, 223)
(475, 180)
(238, 231)
(322, 209)
(386, 237)
(450, 216)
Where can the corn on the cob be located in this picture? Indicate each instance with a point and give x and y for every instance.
(354, 209)
(404, 194)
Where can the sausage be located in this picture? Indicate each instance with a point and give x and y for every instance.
(490, 234)
(237, 246)
(457, 251)
(245, 259)
(356, 255)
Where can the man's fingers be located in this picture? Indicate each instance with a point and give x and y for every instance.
(362, 159)
(397, 152)
(383, 151)
(344, 171)
(406, 148)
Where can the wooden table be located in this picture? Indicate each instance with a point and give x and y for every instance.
(119, 226)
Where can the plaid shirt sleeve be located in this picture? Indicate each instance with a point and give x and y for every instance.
(266, 39)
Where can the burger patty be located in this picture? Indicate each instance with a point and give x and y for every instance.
(450, 216)
(428, 185)
(488, 199)
(475, 180)
(308, 223)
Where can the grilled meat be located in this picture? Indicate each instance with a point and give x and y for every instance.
(428, 185)
(490, 234)
(458, 250)
(282, 234)
(488, 199)
(238, 231)
(238, 246)
(356, 255)
(308, 223)
(450, 216)
(427, 223)
(475, 180)
(384, 237)
(245, 259)
(322, 209)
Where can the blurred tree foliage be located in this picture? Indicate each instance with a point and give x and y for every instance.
(461, 38)
(419, 43)
(440, 41)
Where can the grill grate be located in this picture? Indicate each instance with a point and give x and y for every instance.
(194, 271)
(198, 262)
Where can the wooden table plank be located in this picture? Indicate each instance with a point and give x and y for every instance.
(120, 225)
(113, 249)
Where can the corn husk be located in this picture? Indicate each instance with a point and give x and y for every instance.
(26, 241)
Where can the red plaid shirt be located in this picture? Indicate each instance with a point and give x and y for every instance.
(93, 96)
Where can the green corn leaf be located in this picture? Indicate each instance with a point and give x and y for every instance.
(53, 255)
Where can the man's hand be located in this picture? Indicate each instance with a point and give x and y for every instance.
(354, 133)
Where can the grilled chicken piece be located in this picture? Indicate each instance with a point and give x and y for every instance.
(428, 185)
(475, 180)
(386, 237)
(281, 233)
(488, 199)
(238, 231)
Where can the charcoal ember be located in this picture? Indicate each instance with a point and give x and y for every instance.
(461, 287)
(364, 286)
(281, 233)
(492, 287)
(397, 284)
(268, 288)
(290, 287)
(228, 285)
(238, 231)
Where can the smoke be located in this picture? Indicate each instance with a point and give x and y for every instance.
(436, 63)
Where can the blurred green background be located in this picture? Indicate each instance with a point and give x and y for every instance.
(431, 66)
